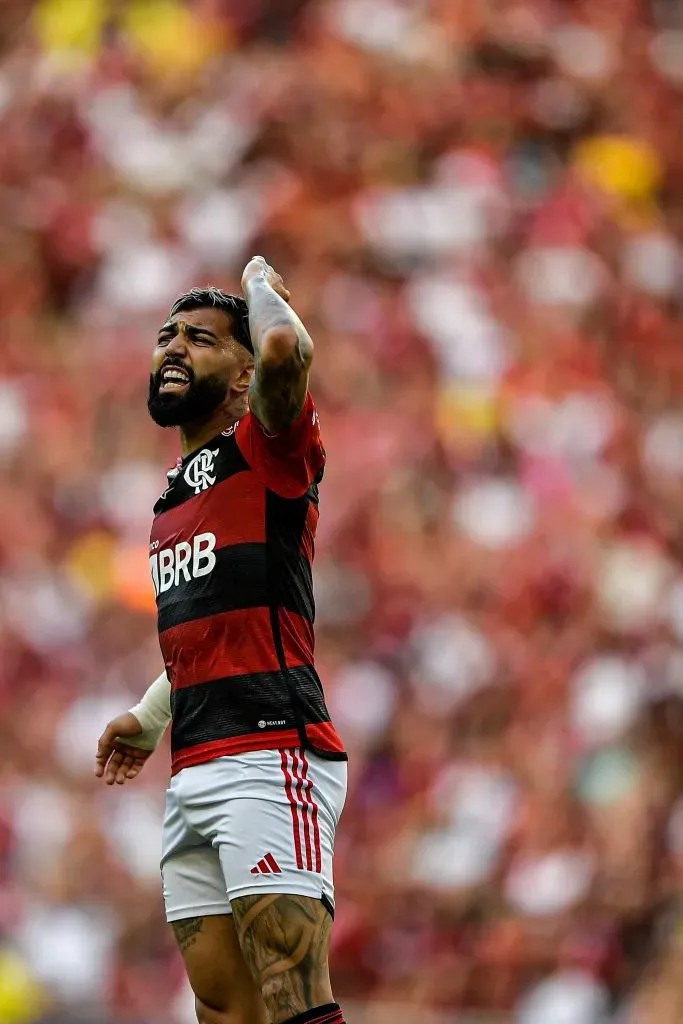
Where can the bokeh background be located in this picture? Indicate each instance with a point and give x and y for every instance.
(478, 208)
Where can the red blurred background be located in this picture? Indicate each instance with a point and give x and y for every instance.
(478, 208)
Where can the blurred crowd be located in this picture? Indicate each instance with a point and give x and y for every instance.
(478, 209)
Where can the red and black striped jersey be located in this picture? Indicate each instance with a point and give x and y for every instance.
(231, 554)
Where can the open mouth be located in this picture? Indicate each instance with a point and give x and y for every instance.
(173, 380)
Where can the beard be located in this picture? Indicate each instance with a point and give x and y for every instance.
(196, 403)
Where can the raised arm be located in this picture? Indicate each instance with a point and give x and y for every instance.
(283, 350)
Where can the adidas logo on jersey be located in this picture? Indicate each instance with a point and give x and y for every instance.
(267, 866)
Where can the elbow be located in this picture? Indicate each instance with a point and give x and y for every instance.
(285, 345)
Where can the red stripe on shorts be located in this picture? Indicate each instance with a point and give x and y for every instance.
(308, 790)
(303, 804)
(293, 807)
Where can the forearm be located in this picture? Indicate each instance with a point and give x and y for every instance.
(283, 352)
(153, 713)
(276, 330)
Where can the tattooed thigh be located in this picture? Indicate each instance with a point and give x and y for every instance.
(285, 942)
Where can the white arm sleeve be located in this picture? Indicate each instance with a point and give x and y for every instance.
(153, 713)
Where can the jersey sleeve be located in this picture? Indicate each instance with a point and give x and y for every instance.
(289, 462)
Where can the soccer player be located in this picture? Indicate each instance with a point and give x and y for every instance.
(258, 770)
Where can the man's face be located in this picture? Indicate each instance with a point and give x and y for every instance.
(195, 363)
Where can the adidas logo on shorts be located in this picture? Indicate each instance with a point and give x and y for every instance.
(267, 866)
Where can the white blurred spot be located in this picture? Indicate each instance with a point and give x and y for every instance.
(219, 224)
(395, 29)
(549, 884)
(134, 826)
(43, 822)
(362, 699)
(495, 513)
(470, 343)
(70, 948)
(13, 416)
(567, 997)
(607, 695)
(578, 426)
(663, 445)
(343, 595)
(652, 263)
(183, 1007)
(120, 223)
(674, 608)
(475, 797)
(46, 609)
(80, 728)
(583, 51)
(666, 53)
(560, 276)
(7, 92)
(453, 661)
(429, 220)
(453, 860)
(146, 276)
(128, 492)
(630, 585)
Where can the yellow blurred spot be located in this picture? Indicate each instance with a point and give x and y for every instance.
(620, 165)
(168, 35)
(70, 26)
(164, 32)
(90, 563)
(466, 413)
(21, 998)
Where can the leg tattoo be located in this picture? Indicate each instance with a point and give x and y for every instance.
(186, 932)
(285, 942)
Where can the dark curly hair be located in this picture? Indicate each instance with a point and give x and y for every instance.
(233, 305)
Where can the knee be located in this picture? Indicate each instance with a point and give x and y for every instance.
(212, 1015)
(207, 1015)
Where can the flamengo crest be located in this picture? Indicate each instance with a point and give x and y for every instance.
(199, 472)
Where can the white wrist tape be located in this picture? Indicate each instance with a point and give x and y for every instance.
(153, 713)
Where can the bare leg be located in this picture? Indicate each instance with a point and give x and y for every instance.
(224, 990)
(285, 943)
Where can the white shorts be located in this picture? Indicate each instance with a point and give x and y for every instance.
(260, 822)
